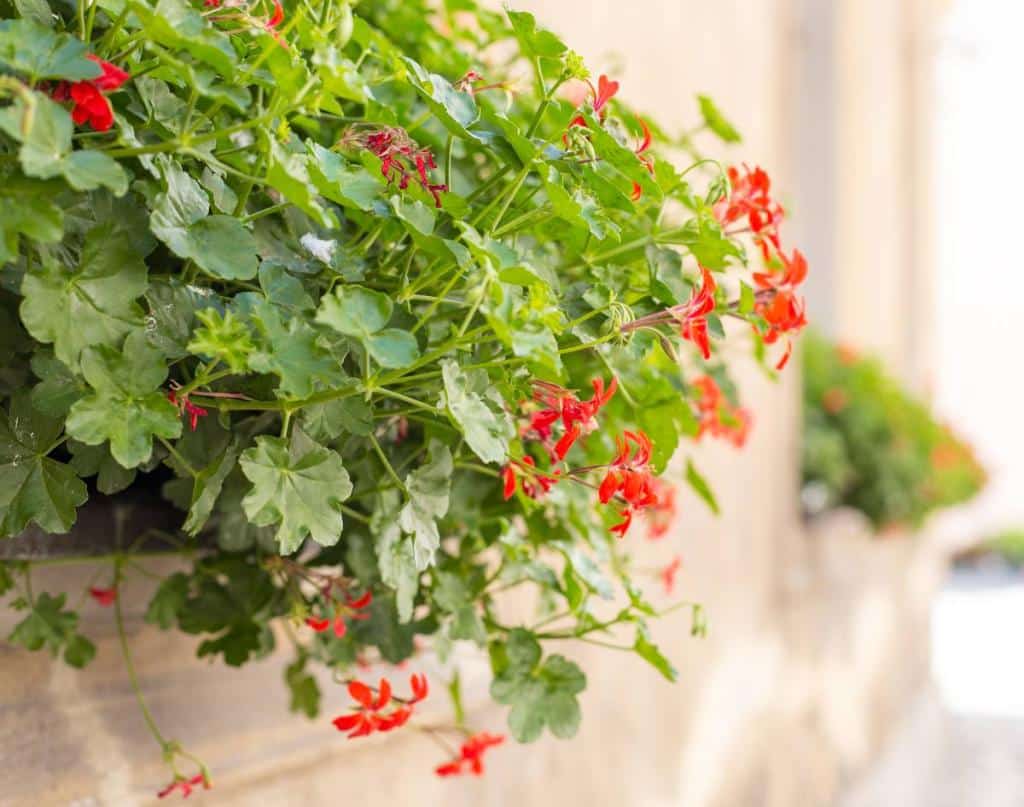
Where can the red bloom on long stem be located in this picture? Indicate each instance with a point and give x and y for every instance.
(533, 484)
(370, 715)
(185, 785)
(103, 596)
(470, 758)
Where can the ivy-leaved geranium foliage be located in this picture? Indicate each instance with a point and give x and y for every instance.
(397, 303)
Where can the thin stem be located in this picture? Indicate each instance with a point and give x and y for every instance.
(130, 665)
(387, 464)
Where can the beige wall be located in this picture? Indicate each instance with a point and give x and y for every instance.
(814, 638)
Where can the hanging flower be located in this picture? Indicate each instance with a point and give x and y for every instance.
(629, 477)
(275, 19)
(350, 609)
(89, 104)
(103, 596)
(370, 715)
(648, 163)
(662, 513)
(692, 317)
(470, 758)
(718, 417)
(185, 785)
(750, 198)
(668, 574)
(186, 407)
(533, 485)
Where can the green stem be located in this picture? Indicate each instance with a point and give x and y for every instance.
(130, 665)
(387, 464)
(177, 456)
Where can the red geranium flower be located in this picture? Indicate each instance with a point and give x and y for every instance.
(470, 758)
(718, 417)
(533, 485)
(351, 609)
(399, 156)
(648, 163)
(661, 514)
(630, 478)
(185, 785)
(89, 105)
(784, 313)
(692, 317)
(668, 574)
(185, 406)
(370, 716)
(606, 89)
(103, 596)
(750, 197)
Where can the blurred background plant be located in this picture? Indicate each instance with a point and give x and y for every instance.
(871, 446)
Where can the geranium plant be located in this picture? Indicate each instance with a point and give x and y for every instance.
(871, 446)
(400, 307)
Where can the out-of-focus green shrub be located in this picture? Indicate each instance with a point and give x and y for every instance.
(871, 446)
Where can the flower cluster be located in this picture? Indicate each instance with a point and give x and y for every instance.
(401, 157)
(470, 757)
(719, 417)
(349, 609)
(750, 199)
(186, 407)
(89, 101)
(370, 715)
(630, 478)
(185, 785)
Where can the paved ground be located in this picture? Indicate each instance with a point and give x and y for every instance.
(962, 744)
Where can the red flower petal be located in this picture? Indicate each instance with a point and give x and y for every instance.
(361, 693)
(319, 625)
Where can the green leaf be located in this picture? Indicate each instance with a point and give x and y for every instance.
(717, 122)
(355, 311)
(332, 419)
(34, 487)
(26, 211)
(94, 304)
(298, 485)
(38, 53)
(650, 653)
(126, 406)
(701, 487)
(535, 41)
(305, 692)
(220, 245)
(480, 417)
(287, 172)
(361, 313)
(293, 352)
(58, 388)
(539, 696)
(97, 461)
(44, 130)
(86, 170)
(206, 488)
(168, 601)
(349, 185)
(666, 276)
(49, 625)
(429, 487)
(173, 307)
(704, 238)
(455, 110)
(178, 26)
